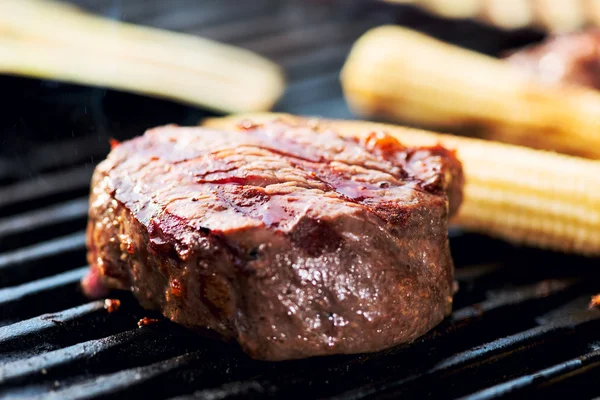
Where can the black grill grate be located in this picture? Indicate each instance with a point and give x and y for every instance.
(520, 327)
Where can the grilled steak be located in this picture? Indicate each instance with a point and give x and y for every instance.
(293, 242)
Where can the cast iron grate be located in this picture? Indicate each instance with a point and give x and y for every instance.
(520, 327)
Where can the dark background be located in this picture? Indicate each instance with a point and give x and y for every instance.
(310, 39)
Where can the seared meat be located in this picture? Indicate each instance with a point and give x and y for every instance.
(570, 58)
(293, 242)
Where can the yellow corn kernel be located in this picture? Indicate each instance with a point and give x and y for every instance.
(403, 75)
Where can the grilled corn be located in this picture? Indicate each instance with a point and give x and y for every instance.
(515, 193)
(403, 75)
(52, 40)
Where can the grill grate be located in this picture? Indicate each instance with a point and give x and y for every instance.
(520, 326)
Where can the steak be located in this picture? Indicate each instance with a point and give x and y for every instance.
(291, 241)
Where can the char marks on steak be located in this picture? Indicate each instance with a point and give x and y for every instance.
(293, 242)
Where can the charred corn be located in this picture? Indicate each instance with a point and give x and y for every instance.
(403, 75)
(53, 40)
(515, 193)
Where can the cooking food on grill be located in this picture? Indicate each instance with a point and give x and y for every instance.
(293, 241)
(431, 83)
(519, 194)
(570, 59)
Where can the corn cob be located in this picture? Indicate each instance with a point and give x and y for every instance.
(515, 193)
(400, 74)
(550, 15)
(53, 40)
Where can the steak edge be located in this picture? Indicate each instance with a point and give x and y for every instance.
(290, 241)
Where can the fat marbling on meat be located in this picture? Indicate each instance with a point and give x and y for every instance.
(291, 241)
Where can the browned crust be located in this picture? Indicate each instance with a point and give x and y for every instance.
(291, 293)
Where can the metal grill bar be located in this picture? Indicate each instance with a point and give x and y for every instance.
(14, 294)
(122, 380)
(570, 367)
(15, 335)
(459, 364)
(305, 91)
(42, 287)
(72, 356)
(306, 66)
(465, 363)
(469, 316)
(33, 220)
(181, 19)
(261, 26)
(48, 222)
(64, 185)
(24, 263)
(230, 390)
(444, 340)
(38, 297)
(337, 106)
(306, 39)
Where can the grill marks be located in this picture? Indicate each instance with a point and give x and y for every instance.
(265, 197)
(243, 170)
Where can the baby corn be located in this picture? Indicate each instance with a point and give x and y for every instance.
(515, 193)
(47, 39)
(403, 75)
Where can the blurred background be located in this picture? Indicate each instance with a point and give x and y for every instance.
(309, 39)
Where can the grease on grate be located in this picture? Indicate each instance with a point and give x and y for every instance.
(112, 305)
